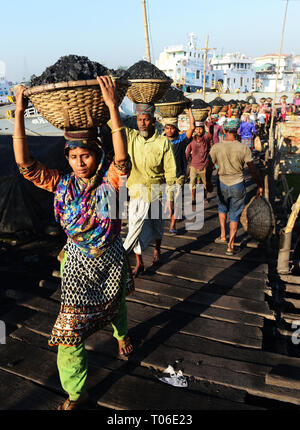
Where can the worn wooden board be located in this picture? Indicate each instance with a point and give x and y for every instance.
(199, 247)
(108, 388)
(196, 271)
(159, 290)
(18, 393)
(251, 289)
(284, 376)
(240, 334)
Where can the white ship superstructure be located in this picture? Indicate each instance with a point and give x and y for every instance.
(235, 71)
(185, 65)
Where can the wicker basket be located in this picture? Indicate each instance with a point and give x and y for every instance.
(147, 90)
(200, 114)
(73, 105)
(170, 110)
(216, 109)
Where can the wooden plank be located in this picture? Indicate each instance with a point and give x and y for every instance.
(191, 305)
(292, 288)
(253, 289)
(197, 309)
(198, 247)
(109, 389)
(290, 279)
(209, 273)
(209, 361)
(17, 393)
(103, 345)
(211, 299)
(236, 334)
(250, 269)
(284, 376)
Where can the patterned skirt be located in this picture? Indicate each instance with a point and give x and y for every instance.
(91, 292)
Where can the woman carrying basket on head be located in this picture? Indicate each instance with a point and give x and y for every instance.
(95, 273)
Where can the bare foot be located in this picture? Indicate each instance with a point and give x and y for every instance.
(156, 256)
(139, 268)
(125, 346)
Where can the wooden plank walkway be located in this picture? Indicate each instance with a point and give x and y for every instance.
(201, 311)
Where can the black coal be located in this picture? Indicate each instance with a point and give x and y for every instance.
(145, 70)
(173, 95)
(217, 102)
(70, 68)
(199, 104)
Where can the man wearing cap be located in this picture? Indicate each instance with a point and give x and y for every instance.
(247, 130)
(153, 164)
(179, 144)
(231, 156)
(199, 147)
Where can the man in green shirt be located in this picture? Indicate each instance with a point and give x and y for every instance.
(230, 156)
(153, 164)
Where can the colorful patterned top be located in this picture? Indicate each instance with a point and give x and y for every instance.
(81, 208)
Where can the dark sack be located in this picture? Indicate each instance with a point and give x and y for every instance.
(258, 219)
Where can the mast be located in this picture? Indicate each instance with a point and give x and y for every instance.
(204, 70)
(146, 31)
(271, 136)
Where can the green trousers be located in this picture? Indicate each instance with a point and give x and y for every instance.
(72, 361)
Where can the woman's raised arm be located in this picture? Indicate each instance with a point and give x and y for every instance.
(108, 88)
(21, 152)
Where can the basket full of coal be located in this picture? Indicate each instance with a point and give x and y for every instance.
(200, 109)
(148, 83)
(217, 104)
(67, 94)
(172, 103)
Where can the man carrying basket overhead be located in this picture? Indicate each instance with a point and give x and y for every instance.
(95, 274)
(153, 164)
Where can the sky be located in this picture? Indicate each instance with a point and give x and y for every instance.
(36, 34)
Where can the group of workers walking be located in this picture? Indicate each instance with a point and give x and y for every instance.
(96, 275)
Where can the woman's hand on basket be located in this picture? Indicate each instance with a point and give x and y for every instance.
(108, 89)
(21, 101)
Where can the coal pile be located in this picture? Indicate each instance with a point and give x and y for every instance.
(173, 95)
(145, 70)
(217, 102)
(199, 104)
(70, 68)
(119, 73)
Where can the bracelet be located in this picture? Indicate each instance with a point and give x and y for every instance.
(117, 129)
(19, 137)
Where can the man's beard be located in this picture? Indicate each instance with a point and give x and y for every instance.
(144, 133)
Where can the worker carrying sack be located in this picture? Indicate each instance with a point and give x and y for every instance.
(258, 219)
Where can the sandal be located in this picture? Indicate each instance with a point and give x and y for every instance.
(173, 231)
(220, 241)
(69, 405)
(124, 343)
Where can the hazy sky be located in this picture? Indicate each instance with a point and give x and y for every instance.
(35, 34)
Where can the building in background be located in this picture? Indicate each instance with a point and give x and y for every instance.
(266, 67)
(235, 71)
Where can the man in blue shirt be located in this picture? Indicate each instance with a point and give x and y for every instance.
(179, 144)
(247, 131)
